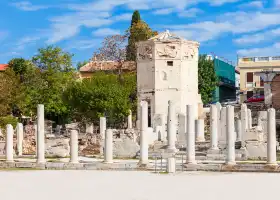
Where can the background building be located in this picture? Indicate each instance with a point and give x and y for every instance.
(226, 74)
(250, 81)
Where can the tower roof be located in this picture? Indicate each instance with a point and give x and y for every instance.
(166, 36)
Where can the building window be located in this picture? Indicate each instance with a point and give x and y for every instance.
(261, 82)
(250, 80)
(169, 63)
(249, 94)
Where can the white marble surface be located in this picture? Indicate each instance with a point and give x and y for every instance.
(108, 185)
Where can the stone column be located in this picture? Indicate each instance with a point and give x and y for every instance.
(129, 120)
(9, 143)
(219, 127)
(35, 132)
(190, 134)
(89, 128)
(102, 126)
(144, 153)
(230, 136)
(40, 134)
(199, 127)
(19, 138)
(222, 122)
(271, 137)
(102, 129)
(108, 154)
(244, 123)
(249, 116)
(238, 130)
(171, 165)
(182, 129)
(214, 127)
(74, 147)
(171, 126)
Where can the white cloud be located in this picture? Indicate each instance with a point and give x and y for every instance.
(105, 32)
(27, 6)
(236, 23)
(192, 12)
(273, 50)
(259, 37)
(164, 11)
(28, 40)
(67, 26)
(253, 4)
(83, 44)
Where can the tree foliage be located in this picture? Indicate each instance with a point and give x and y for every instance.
(135, 17)
(19, 65)
(81, 64)
(139, 31)
(10, 92)
(207, 79)
(102, 95)
(53, 58)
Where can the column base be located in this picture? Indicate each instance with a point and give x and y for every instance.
(190, 163)
(271, 164)
(200, 140)
(230, 163)
(108, 162)
(41, 162)
(10, 161)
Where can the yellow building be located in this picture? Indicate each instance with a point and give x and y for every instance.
(250, 83)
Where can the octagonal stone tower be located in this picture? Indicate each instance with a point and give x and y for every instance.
(167, 69)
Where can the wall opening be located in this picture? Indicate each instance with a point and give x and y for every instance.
(169, 63)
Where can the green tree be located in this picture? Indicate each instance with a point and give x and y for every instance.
(47, 81)
(101, 95)
(19, 65)
(207, 79)
(135, 17)
(138, 31)
(81, 64)
(53, 58)
(10, 92)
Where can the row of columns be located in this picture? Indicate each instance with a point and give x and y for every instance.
(242, 125)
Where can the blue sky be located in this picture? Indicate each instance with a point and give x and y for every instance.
(226, 27)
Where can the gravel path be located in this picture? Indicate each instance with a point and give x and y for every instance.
(112, 185)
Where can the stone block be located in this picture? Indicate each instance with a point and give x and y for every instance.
(253, 135)
(256, 150)
(125, 148)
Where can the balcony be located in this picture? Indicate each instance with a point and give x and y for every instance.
(259, 59)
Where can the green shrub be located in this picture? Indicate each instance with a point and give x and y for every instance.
(8, 120)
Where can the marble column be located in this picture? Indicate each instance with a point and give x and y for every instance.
(74, 147)
(230, 136)
(199, 127)
(271, 137)
(249, 116)
(214, 127)
(171, 126)
(9, 143)
(129, 120)
(219, 127)
(102, 126)
(144, 147)
(238, 130)
(244, 123)
(190, 134)
(89, 128)
(19, 138)
(40, 134)
(171, 165)
(108, 154)
(223, 124)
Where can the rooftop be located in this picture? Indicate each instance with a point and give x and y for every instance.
(107, 65)
(3, 67)
(166, 36)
